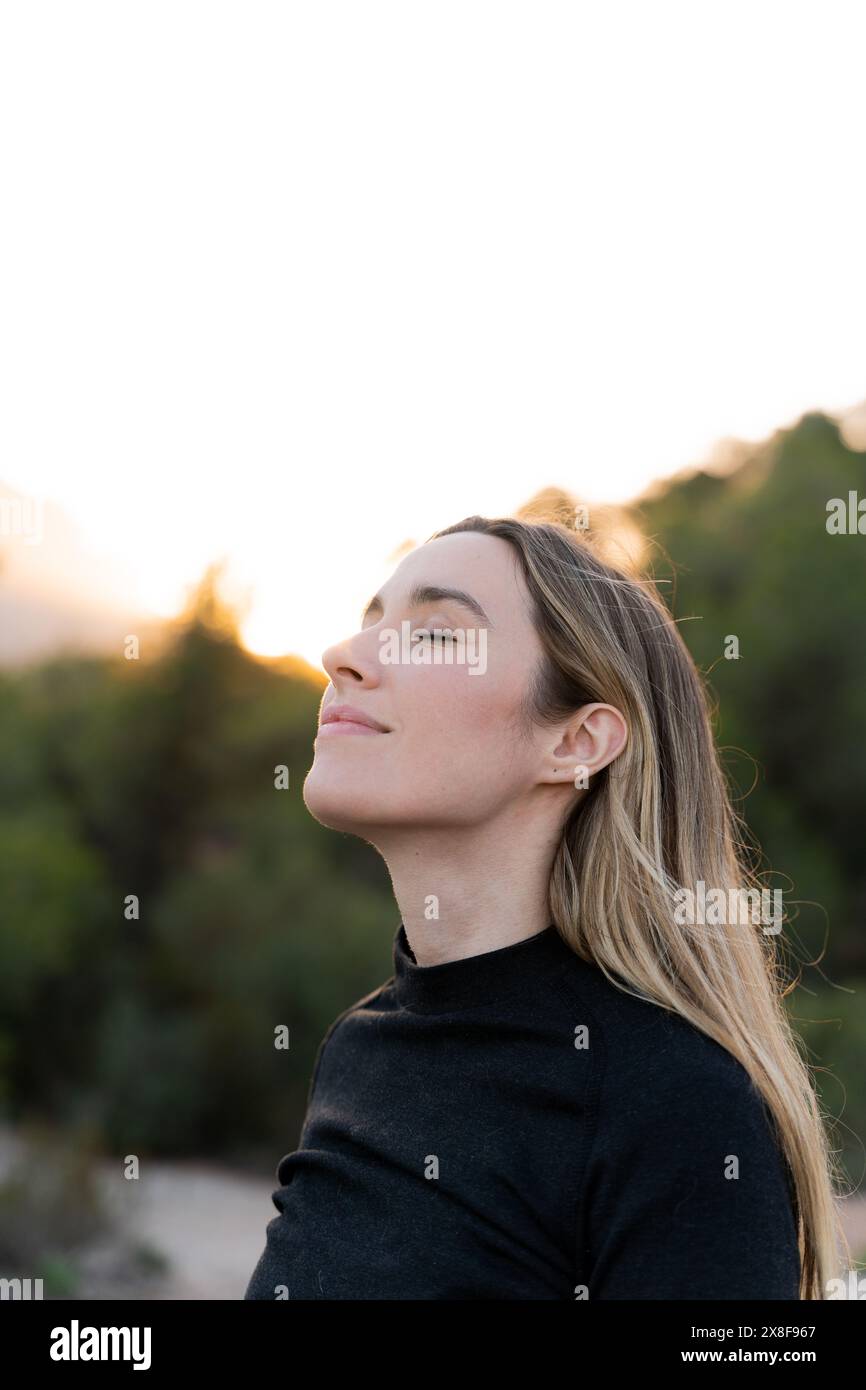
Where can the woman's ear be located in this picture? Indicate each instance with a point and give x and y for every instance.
(592, 738)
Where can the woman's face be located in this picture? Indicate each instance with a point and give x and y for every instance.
(456, 751)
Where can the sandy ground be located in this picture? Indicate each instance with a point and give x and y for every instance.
(180, 1230)
(208, 1222)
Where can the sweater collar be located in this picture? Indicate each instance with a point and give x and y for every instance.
(474, 980)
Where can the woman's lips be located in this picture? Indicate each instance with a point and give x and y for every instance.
(344, 726)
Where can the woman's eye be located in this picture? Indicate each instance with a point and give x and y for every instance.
(436, 633)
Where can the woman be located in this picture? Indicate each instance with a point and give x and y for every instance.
(577, 1083)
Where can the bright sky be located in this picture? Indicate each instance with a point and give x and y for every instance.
(293, 283)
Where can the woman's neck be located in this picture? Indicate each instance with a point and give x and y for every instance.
(465, 890)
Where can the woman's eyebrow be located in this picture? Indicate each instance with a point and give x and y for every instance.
(432, 593)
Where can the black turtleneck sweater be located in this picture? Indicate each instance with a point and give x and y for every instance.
(514, 1126)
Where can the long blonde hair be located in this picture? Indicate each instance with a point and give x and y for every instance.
(657, 820)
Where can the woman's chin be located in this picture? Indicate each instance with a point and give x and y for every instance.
(337, 805)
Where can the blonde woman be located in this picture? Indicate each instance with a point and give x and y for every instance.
(578, 1083)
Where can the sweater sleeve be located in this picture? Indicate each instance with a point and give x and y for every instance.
(687, 1193)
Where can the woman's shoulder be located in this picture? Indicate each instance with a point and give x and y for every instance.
(659, 1068)
(686, 1191)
